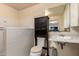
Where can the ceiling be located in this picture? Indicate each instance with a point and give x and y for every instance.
(57, 10)
(20, 6)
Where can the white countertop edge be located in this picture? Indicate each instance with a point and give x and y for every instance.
(70, 41)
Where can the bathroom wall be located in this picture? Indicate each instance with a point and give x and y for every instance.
(19, 41)
(27, 15)
(60, 20)
(8, 16)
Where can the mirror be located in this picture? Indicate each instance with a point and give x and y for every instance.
(59, 18)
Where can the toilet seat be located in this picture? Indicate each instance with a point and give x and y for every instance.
(36, 51)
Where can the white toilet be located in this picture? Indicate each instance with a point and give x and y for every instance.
(36, 51)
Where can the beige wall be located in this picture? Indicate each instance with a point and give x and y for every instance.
(60, 20)
(17, 44)
(27, 15)
(8, 16)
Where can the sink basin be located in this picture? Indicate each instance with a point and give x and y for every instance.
(63, 37)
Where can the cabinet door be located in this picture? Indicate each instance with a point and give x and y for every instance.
(67, 16)
(74, 14)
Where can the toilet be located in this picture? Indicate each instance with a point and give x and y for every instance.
(36, 51)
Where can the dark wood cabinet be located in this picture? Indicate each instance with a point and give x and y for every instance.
(41, 30)
(41, 25)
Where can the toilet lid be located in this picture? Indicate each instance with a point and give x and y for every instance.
(36, 49)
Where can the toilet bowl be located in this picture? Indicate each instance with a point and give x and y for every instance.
(36, 51)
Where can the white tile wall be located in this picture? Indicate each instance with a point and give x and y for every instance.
(19, 41)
